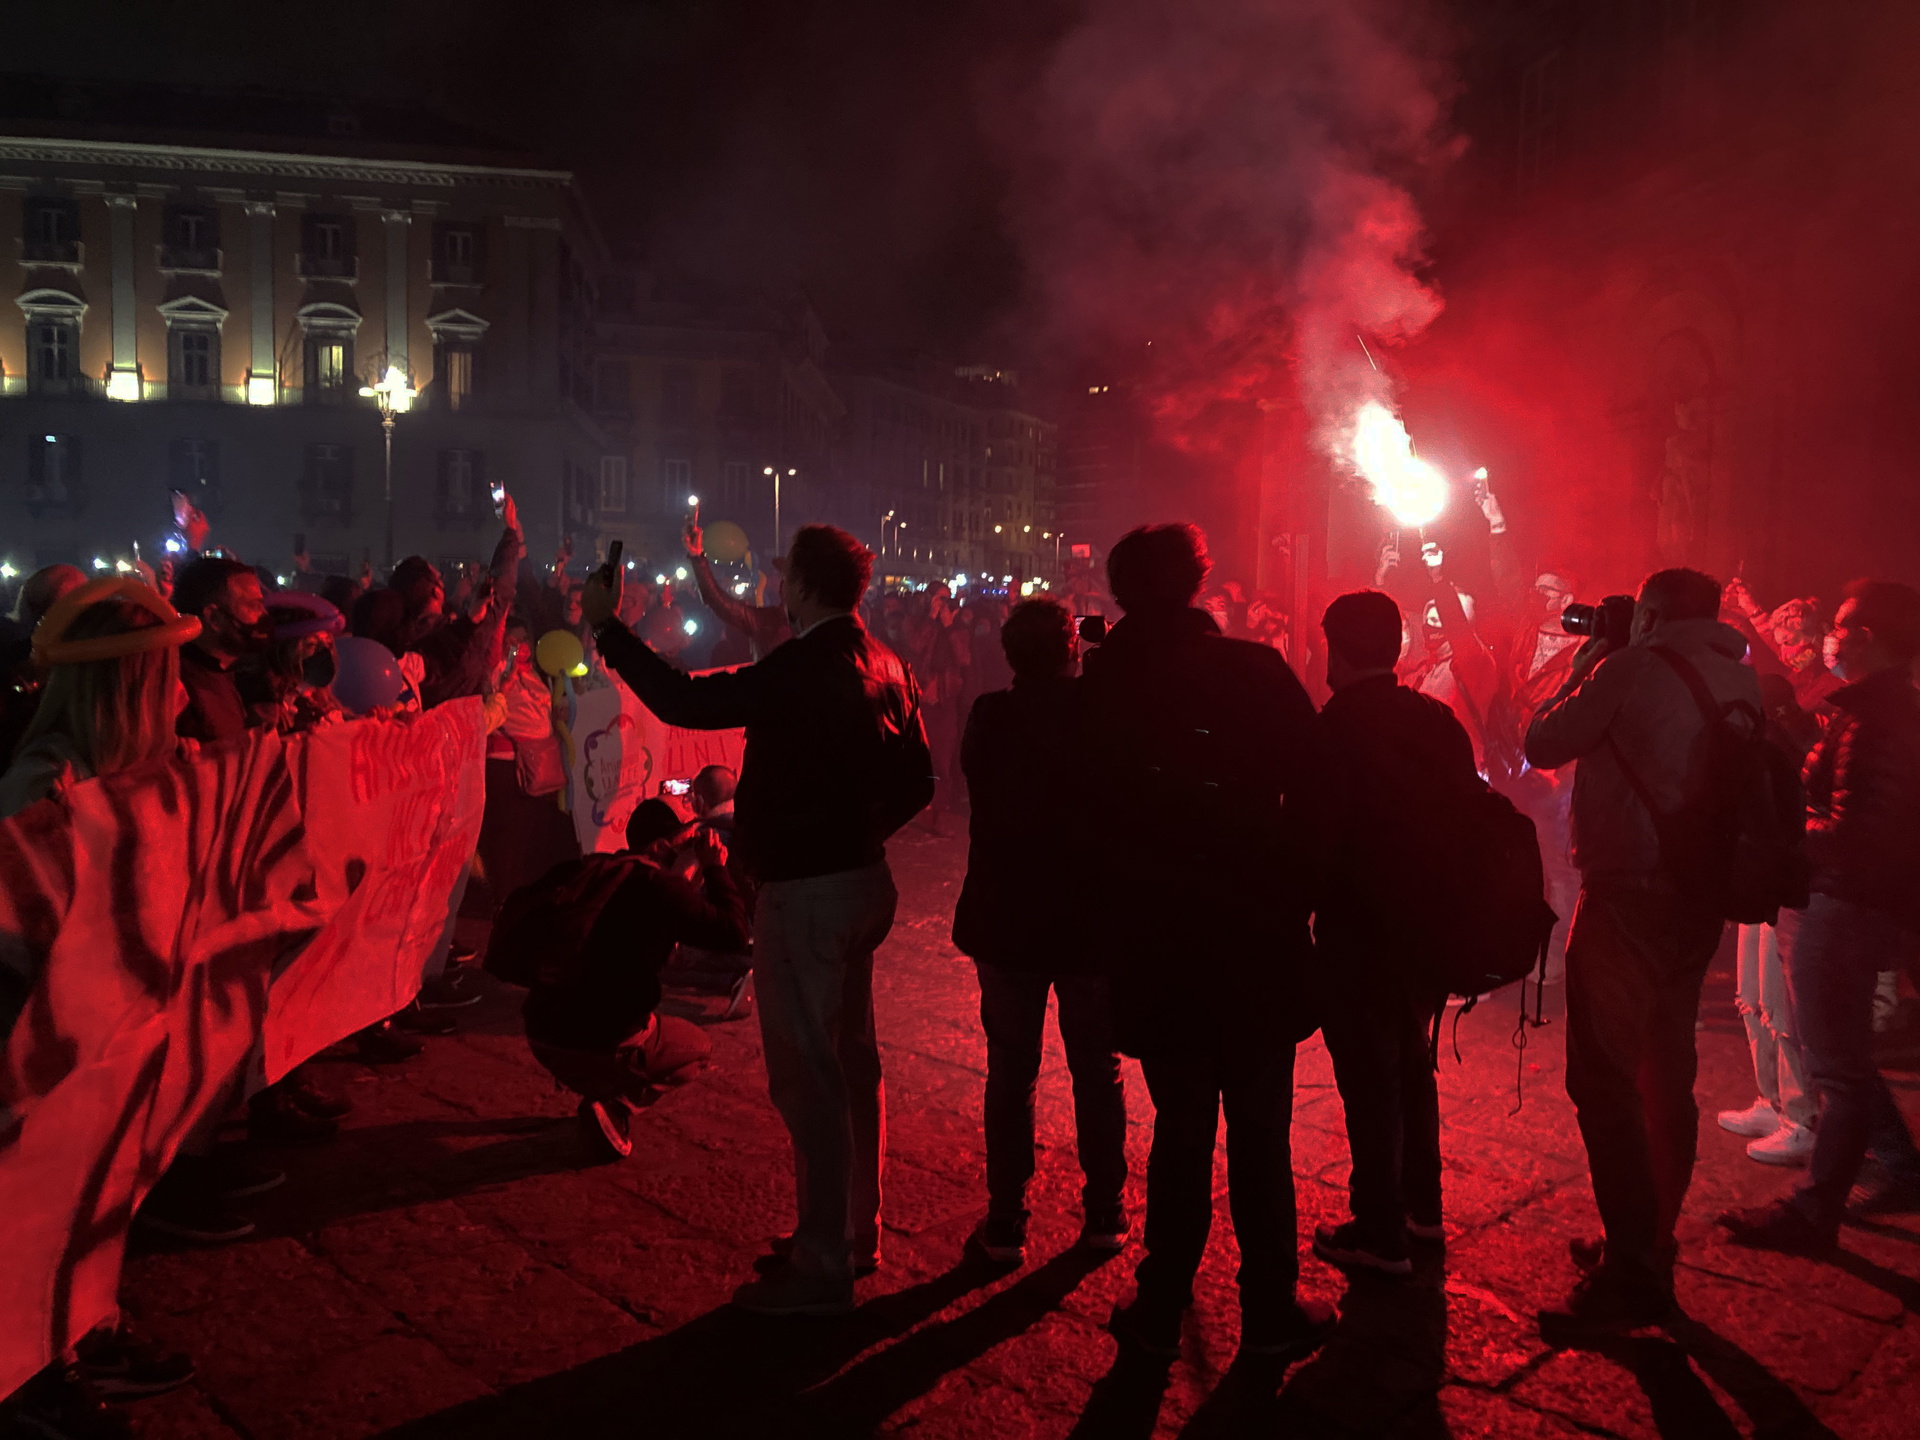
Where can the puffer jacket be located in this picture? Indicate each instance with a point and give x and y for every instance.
(1863, 796)
(1633, 713)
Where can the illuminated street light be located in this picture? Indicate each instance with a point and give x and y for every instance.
(681, 573)
(691, 627)
(98, 563)
(7, 572)
(394, 393)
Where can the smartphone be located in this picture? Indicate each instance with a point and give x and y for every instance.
(676, 787)
(612, 568)
(499, 500)
(182, 508)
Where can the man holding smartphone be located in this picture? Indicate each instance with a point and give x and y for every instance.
(836, 761)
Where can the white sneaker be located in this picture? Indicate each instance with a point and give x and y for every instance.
(1789, 1145)
(1756, 1122)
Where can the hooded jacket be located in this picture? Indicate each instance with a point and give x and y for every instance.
(1633, 710)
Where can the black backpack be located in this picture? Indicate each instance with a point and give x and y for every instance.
(1740, 841)
(1493, 922)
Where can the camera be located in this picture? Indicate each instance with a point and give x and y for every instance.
(1090, 629)
(1611, 620)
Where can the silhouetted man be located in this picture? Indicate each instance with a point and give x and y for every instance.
(1194, 742)
(1018, 918)
(227, 597)
(1641, 939)
(836, 761)
(1395, 767)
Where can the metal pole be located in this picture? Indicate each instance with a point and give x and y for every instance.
(776, 513)
(386, 424)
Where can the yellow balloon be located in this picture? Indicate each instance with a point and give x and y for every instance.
(724, 541)
(559, 652)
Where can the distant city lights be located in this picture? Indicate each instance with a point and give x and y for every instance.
(692, 627)
(98, 563)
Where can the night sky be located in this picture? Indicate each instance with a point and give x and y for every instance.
(833, 146)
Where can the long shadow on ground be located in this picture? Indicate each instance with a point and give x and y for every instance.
(733, 1374)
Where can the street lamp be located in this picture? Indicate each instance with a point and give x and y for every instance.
(394, 393)
(769, 470)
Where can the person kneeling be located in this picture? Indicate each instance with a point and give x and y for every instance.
(598, 930)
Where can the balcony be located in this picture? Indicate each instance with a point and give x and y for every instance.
(189, 260)
(327, 267)
(51, 252)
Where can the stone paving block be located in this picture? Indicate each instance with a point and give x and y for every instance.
(1488, 1342)
(1467, 1411)
(390, 1380)
(184, 1414)
(1809, 1345)
(1882, 1403)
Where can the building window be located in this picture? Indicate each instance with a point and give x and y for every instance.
(327, 247)
(463, 487)
(676, 394)
(326, 489)
(191, 239)
(329, 363)
(613, 388)
(193, 360)
(56, 350)
(676, 483)
(613, 484)
(53, 474)
(459, 253)
(734, 482)
(50, 232)
(193, 468)
(456, 371)
(736, 396)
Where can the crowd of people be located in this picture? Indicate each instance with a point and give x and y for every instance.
(1157, 820)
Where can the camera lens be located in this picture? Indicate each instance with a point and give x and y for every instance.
(1577, 619)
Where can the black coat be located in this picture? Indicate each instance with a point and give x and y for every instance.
(1020, 907)
(1196, 745)
(1396, 767)
(836, 756)
(1863, 796)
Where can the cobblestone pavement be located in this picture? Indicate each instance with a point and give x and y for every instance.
(451, 1267)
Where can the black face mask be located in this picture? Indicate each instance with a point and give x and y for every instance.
(319, 668)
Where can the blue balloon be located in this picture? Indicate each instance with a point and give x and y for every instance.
(369, 677)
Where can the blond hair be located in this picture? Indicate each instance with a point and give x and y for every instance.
(114, 713)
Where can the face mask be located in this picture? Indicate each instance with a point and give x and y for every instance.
(319, 668)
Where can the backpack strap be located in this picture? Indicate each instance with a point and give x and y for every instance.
(1695, 682)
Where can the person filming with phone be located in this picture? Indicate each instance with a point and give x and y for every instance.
(836, 761)
(1646, 702)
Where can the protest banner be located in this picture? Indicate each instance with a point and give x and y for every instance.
(175, 918)
(150, 907)
(393, 814)
(621, 753)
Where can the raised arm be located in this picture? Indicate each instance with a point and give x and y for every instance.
(1574, 723)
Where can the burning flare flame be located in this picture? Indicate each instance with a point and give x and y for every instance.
(1382, 453)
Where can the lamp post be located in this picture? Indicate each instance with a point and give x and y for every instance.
(394, 393)
(775, 474)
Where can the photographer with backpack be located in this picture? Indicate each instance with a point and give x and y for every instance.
(1396, 774)
(1651, 721)
(1863, 801)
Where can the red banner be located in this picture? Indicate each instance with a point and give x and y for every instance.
(153, 909)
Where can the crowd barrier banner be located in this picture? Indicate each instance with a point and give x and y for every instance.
(178, 916)
(621, 753)
(393, 814)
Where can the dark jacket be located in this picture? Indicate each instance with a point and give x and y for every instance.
(1395, 768)
(606, 991)
(1026, 870)
(1863, 796)
(1633, 710)
(836, 757)
(215, 708)
(1195, 744)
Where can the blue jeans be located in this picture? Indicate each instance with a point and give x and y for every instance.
(1831, 972)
